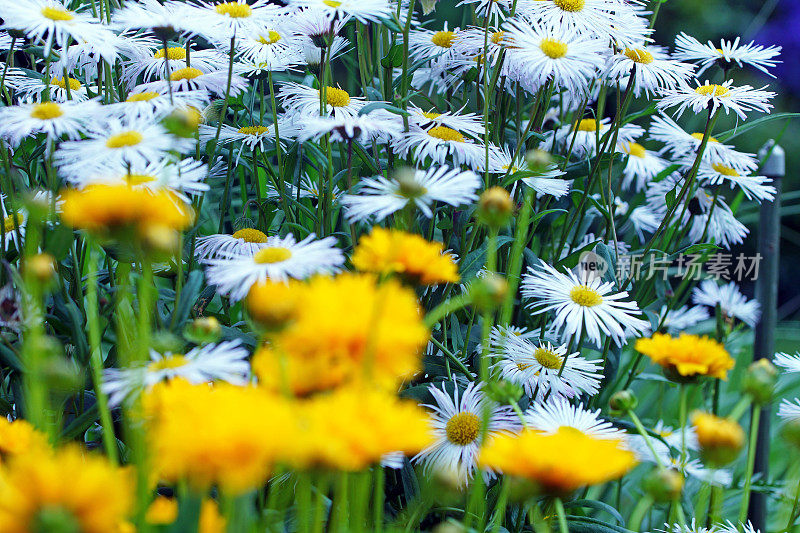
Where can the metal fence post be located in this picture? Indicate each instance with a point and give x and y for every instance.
(769, 234)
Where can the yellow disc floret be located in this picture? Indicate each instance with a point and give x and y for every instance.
(585, 296)
(74, 85)
(446, 134)
(713, 90)
(124, 139)
(253, 130)
(234, 10)
(46, 111)
(173, 53)
(250, 235)
(273, 254)
(336, 97)
(57, 14)
(587, 124)
(463, 428)
(188, 73)
(725, 170)
(271, 38)
(639, 55)
(443, 39)
(635, 149)
(570, 5)
(548, 358)
(145, 96)
(553, 49)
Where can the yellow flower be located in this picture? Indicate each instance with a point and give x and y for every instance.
(411, 256)
(558, 463)
(164, 511)
(106, 209)
(41, 489)
(687, 356)
(353, 428)
(347, 329)
(225, 435)
(720, 439)
(17, 437)
(273, 304)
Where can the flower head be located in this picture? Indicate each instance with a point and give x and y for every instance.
(687, 356)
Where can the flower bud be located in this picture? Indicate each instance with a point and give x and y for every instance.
(623, 401)
(409, 186)
(488, 292)
(504, 392)
(203, 330)
(42, 267)
(273, 304)
(495, 207)
(183, 122)
(663, 484)
(720, 439)
(538, 160)
(759, 381)
(791, 432)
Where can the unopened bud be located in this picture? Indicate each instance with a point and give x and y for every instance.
(504, 392)
(623, 401)
(488, 292)
(203, 330)
(791, 432)
(538, 160)
(720, 439)
(495, 207)
(409, 187)
(183, 122)
(663, 484)
(42, 267)
(759, 381)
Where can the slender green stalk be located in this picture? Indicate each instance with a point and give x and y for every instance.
(751, 461)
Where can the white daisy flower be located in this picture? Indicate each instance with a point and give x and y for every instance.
(379, 197)
(558, 413)
(118, 143)
(249, 136)
(50, 21)
(363, 11)
(433, 45)
(305, 100)
(317, 23)
(729, 527)
(456, 422)
(677, 320)
(373, 126)
(586, 134)
(14, 223)
(246, 241)
(166, 17)
(654, 69)
(641, 220)
(740, 99)
(467, 123)
(441, 144)
(183, 177)
(193, 78)
(789, 411)
(155, 105)
(754, 187)
(728, 52)
(30, 89)
(546, 182)
(469, 44)
(274, 47)
(280, 259)
(312, 54)
(590, 308)
(674, 436)
(51, 118)
(790, 363)
(155, 62)
(641, 166)
(538, 53)
(226, 361)
(231, 18)
(731, 301)
(682, 143)
(544, 370)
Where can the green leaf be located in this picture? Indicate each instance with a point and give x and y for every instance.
(597, 505)
(744, 128)
(394, 57)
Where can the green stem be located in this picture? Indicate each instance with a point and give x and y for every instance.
(751, 461)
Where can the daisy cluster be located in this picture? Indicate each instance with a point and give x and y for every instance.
(294, 243)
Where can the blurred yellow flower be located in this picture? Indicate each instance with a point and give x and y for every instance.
(558, 463)
(17, 437)
(273, 303)
(348, 329)
(106, 209)
(720, 439)
(687, 356)
(406, 254)
(45, 490)
(164, 511)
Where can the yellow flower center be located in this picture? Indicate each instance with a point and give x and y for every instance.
(12, 221)
(74, 84)
(250, 235)
(553, 49)
(234, 10)
(188, 73)
(724, 170)
(271, 38)
(172, 53)
(699, 137)
(587, 124)
(331, 3)
(443, 39)
(431, 115)
(275, 254)
(169, 362)
(497, 37)
(463, 428)
(253, 130)
(337, 97)
(712, 90)
(585, 296)
(570, 5)
(56, 13)
(446, 134)
(639, 56)
(46, 111)
(142, 97)
(139, 179)
(636, 149)
(548, 358)
(123, 139)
